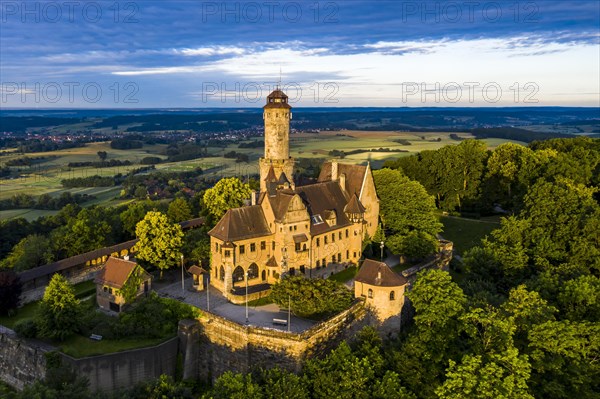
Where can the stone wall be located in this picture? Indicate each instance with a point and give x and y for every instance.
(22, 361)
(125, 369)
(38, 293)
(212, 345)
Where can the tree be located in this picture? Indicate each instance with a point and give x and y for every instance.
(102, 155)
(59, 311)
(179, 210)
(278, 383)
(311, 297)
(408, 214)
(159, 241)
(32, 251)
(580, 298)
(564, 356)
(10, 291)
(389, 388)
(502, 376)
(226, 194)
(339, 375)
(234, 386)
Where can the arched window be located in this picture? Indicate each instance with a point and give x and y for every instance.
(264, 275)
(253, 271)
(318, 264)
(392, 295)
(222, 274)
(370, 293)
(238, 274)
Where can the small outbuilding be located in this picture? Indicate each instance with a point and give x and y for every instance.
(382, 289)
(119, 283)
(198, 273)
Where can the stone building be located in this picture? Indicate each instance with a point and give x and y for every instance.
(382, 290)
(113, 277)
(313, 230)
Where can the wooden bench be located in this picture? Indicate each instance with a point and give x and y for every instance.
(280, 322)
(96, 337)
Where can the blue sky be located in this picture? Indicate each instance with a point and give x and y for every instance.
(145, 54)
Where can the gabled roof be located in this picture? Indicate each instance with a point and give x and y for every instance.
(379, 274)
(241, 223)
(355, 175)
(116, 272)
(197, 270)
(354, 205)
(321, 198)
(283, 179)
(271, 175)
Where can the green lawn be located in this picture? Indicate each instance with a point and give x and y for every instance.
(79, 346)
(28, 311)
(344, 275)
(25, 312)
(466, 233)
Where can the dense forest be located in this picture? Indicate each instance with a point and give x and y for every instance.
(517, 317)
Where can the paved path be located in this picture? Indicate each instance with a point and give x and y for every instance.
(260, 316)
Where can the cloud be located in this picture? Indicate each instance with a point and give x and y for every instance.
(212, 50)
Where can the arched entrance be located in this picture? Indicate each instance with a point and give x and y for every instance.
(253, 271)
(238, 275)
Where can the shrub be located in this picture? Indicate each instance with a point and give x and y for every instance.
(26, 328)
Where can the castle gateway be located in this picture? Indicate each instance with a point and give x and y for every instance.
(311, 230)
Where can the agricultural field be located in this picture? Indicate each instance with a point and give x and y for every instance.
(44, 176)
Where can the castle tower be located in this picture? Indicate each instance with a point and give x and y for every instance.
(277, 114)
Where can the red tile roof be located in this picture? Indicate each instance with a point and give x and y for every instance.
(379, 274)
(116, 272)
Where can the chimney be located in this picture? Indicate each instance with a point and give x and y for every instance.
(253, 198)
(334, 170)
(343, 181)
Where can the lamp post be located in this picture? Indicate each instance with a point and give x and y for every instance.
(182, 287)
(381, 246)
(246, 297)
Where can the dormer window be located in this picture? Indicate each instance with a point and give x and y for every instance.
(316, 219)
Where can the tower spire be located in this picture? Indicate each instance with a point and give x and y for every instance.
(279, 84)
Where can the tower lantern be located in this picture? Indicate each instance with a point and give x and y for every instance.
(277, 114)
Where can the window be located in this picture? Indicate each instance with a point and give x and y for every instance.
(324, 239)
(340, 235)
(392, 295)
(318, 264)
(370, 293)
(222, 274)
(273, 245)
(238, 274)
(324, 262)
(263, 245)
(302, 269)
(333, 258)
(332, 237)
(295, 228)
(298, 249)
(217, 246)
(253, 271)
(346, 233)
(105, 289)
(347, 254)
(355, 254)
(316, 219)
(227, 252)
(253, 247)
(339, 257)
(318, 241)
(304, 247)
(242, 249)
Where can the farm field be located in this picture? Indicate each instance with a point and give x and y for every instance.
(44, 176)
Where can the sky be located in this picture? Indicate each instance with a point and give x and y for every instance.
(346, 53)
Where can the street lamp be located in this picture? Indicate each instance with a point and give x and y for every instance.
(182, 287)
(381, 246)
(246, 297)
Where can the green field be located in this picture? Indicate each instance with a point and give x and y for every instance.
(466, 233)
(45, 177)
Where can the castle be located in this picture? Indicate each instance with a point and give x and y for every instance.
(312, 230)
